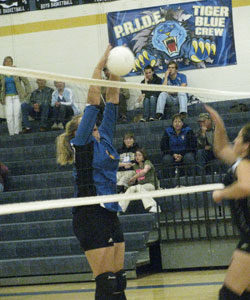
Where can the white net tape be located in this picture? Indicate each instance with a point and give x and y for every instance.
(205, 95)
(71, 202)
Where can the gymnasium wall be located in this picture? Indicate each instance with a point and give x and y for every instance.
(70, 40)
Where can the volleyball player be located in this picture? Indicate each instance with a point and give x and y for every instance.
(97, 227)
(237, 182)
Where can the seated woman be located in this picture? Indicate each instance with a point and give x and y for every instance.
(145, 179)
(178, 146)
(127, 160)
(63, 106)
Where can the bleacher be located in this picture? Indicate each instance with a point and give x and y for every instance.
(39, 247)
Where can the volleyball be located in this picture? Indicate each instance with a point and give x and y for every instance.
(120, 61)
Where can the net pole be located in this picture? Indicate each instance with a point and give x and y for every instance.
(72, 202)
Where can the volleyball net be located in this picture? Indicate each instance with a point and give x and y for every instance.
(38, 184)
(80, 86)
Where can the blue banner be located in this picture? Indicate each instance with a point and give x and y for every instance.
(196, 34)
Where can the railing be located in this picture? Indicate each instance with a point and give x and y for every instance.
(194, 216)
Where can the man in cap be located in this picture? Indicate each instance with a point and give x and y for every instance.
(205, 139)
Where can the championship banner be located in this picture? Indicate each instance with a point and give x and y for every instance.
(45, 4)
(13, 6)
(196, 34)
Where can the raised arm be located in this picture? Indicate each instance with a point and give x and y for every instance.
(84, 132)
(222, 147)
(240, 188)
(109, 118)
(94, 93)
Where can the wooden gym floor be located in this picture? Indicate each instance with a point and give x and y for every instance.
(195, 285)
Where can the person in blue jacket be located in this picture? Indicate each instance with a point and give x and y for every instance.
(178, 146)
(95, 159)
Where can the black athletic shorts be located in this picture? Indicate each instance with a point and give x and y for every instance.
(96, 227)
(244, 246)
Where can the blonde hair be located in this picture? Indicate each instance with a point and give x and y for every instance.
(64, 152)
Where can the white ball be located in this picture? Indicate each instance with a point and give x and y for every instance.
(120, 61)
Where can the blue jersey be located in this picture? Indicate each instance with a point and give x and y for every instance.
(180, 78)
(96, 163)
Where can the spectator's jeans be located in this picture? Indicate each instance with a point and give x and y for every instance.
(13, 114)
(139, 188)
(169, 100)
(149, 107)
(1, 187)
(28, 110)
(123, 177)
(203, 157)
(170, 164)
(62, 114)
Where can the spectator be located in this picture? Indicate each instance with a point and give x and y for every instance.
(13, 90)
(123, 97)
(4, 172)
(149, 98)
(63, 104)
(145, 179)
(172, 77)
(178, 146)
(127, 161)
(205, 141)
(39, 106)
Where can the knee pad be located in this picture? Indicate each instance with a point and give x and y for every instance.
(106, 284)
(121, 281)
(227, 294)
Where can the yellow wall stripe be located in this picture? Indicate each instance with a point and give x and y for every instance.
(237, 3)
(53, 25)
(71, 22)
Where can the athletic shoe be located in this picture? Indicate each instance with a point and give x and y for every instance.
(26, 130)
(151, 119)
(142, 120)
(159, 116)
(43, 129)
(60, 126)
(183, 115)
(54, 126)
(153, 209)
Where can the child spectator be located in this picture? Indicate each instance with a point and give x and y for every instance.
(127, 161)
(145, 179)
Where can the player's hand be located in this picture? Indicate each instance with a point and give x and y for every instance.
(217, 196)
(214, 115)
(103, 60)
